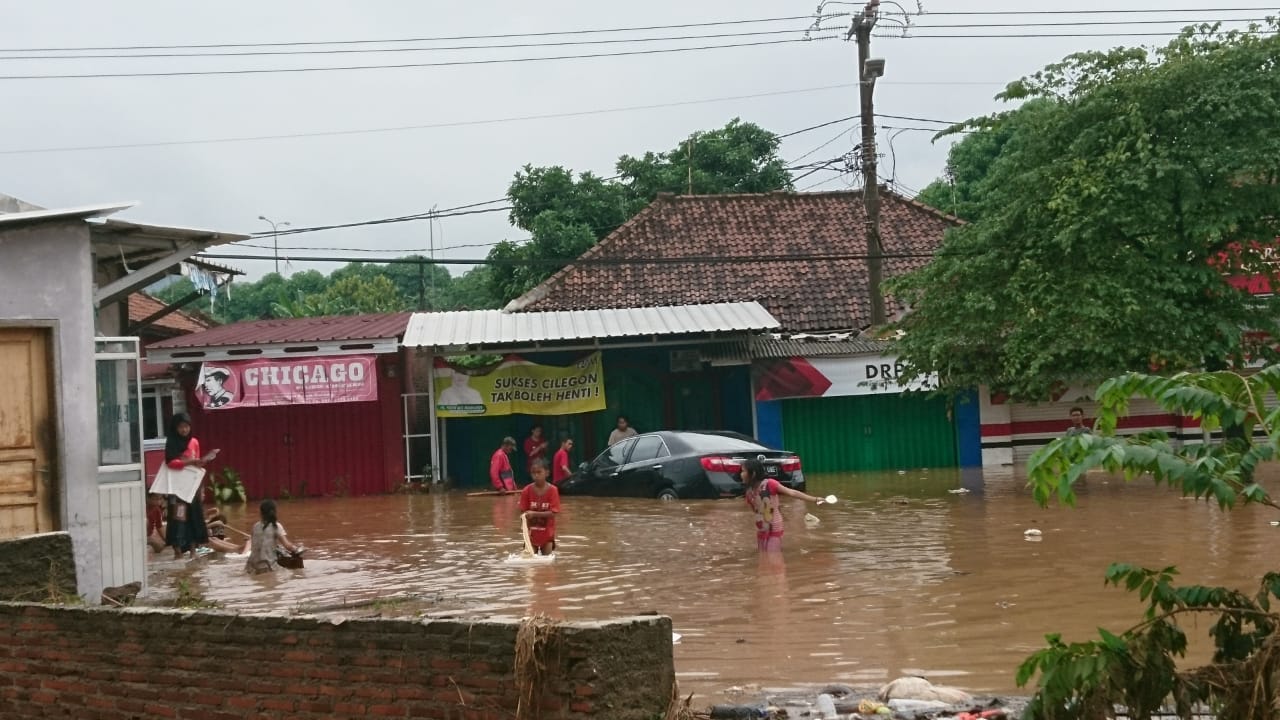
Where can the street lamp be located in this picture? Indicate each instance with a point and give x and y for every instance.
(275, 237)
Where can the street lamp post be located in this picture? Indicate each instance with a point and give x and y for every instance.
(275, 237)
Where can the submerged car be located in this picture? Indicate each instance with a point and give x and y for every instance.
(680, 464)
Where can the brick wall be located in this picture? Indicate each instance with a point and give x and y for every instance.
(105, 664)
(37, 568)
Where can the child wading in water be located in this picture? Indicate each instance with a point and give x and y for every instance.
(540, 503)
(763, 496)
(268, 535)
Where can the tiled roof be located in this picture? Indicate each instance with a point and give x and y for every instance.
(295, 330)
(143, 306)
(805, 295)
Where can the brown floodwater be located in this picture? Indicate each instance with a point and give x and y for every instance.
(903, 576)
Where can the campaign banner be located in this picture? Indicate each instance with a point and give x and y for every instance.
(519, 387)
(800, 377)
(289, 381)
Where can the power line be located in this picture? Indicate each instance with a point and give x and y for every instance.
(1078, 11)
(445, 38)
(1084, 23)
(578, 261)
(433, 126)
(85, 55)
(445, 48)
(473, 209)
(400, 66)
(1012, 36)
(822, 125)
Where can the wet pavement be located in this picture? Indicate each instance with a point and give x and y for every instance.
(904, 576)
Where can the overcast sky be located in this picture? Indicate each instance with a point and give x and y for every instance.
(332, 179)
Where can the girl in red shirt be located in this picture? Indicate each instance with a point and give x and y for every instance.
(763, 496)
(541, 503)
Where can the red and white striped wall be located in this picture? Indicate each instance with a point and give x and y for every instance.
(1011, 432)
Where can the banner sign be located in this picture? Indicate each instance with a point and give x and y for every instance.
(519, 387)
(301, 381)
(799, 377)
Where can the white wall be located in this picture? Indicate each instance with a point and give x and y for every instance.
(46, 278)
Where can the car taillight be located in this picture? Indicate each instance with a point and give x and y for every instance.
(791, 464)
(721, 464)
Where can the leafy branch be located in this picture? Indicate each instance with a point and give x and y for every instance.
(1138, 667)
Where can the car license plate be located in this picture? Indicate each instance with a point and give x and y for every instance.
(771, 471)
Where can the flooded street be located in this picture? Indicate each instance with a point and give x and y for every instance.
(902, 576)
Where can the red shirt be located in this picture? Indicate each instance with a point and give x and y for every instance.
(500, 472)
(192, 453)
(547, 501)
(560, 467)
(535, 449)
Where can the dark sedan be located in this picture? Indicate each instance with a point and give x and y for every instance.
(680, 464)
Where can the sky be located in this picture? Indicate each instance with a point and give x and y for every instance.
(52, 129)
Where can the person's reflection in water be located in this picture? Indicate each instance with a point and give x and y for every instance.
(770, 618)
(543, 597)
(506, 513)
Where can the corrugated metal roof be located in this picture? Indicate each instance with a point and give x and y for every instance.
(167, 232)
(769, 348)
(76, 213)
(495, 327)
(293, 330)
(816, 348)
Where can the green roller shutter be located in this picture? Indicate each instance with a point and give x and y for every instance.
(869, 432)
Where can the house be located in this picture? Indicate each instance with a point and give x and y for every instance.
(816, 385)
(70, 443)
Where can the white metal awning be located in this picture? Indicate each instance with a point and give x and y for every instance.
(478, 328)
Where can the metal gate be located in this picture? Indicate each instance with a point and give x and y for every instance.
(870, 432)
(122, 512)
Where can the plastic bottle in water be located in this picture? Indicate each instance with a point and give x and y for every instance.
(826, 706)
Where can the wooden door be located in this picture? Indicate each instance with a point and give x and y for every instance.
(27, 498)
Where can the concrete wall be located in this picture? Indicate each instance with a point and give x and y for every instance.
(46, 279)
(127, 664)
(37, 568)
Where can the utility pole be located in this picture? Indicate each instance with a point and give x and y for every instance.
(868, 70)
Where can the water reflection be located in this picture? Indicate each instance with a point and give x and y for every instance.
(904, 575)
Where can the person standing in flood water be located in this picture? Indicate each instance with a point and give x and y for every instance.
(185, 531)
(535, 447)
(1077, 423)
(540, 503)
(501, 476)
(763, 496)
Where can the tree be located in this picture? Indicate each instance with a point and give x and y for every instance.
(353, 288)
(969, 164)
(1138, 668)
(1105, 226)
(565, 216)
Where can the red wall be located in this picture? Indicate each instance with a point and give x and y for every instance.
(310, 450)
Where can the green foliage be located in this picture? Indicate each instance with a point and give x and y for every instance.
(969, 164)
(357, 288)
(1138, 667)
(1095, 225)
(227, 486)
(566, 215)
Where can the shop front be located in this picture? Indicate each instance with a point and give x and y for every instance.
(849, 413)
(573, 374)
(299, 408)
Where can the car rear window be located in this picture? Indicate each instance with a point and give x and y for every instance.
(702, 443)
